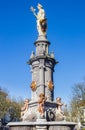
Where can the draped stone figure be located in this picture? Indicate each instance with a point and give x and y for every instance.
(24, 109)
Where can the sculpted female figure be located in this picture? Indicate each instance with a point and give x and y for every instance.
(59, 105)
(24, 109)
(59, 113)
(41, 19)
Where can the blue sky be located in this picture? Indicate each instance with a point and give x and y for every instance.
(66, 32)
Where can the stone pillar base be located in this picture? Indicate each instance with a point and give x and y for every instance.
(42, 124)
(41, 127)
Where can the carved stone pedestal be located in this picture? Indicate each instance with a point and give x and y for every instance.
(33, 114)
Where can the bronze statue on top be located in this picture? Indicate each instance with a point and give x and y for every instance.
(41, 19)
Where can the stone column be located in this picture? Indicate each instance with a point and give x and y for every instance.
(42, 78)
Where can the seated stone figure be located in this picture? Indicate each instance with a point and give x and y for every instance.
(59, 111)
(24, 109)
(41, 108)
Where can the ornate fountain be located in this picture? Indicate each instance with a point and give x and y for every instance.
(42, 112)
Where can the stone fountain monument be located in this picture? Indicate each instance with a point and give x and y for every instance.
(42, 112)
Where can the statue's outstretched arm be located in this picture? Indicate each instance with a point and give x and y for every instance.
(33, 10)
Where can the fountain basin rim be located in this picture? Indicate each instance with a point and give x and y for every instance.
(52, 123)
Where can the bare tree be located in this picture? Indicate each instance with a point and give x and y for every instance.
(78, 100)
